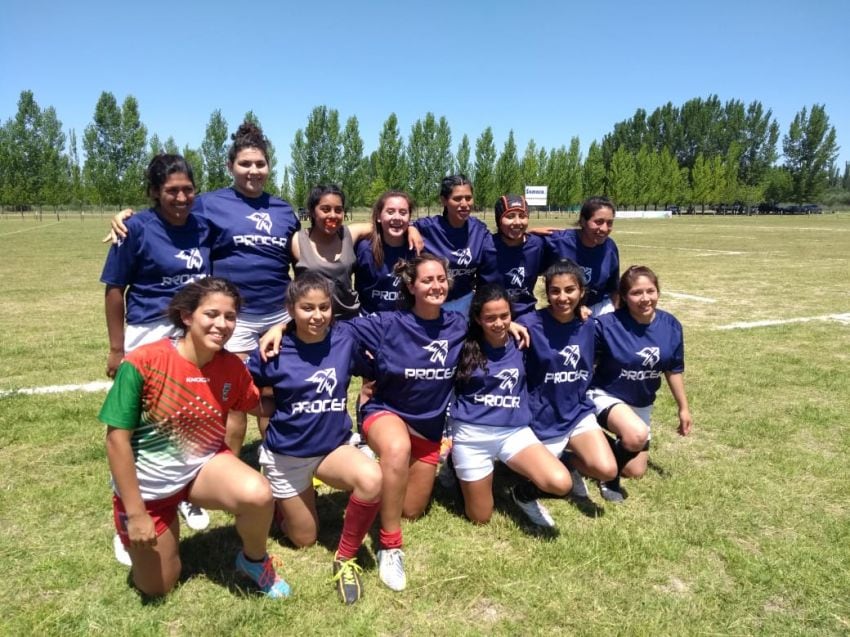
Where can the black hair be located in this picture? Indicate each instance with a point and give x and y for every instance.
(448, 184)
(248, 135)
(316, 194)
(406, 270)
(472, 355)
(569, 267)
(190, 296)
(161, 167)
(590, 206)
(301, 285)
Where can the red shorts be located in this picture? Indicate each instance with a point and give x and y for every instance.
(161, 511)
(421, 449)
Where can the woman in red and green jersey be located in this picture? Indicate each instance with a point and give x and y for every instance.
(165, 418)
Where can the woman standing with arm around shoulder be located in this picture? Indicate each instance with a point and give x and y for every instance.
(165, 418)
(636, 346)
(592, 248)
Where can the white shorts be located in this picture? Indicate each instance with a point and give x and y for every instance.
(137, 335)
(605, 306)
(249, 329)
(461, 304)
(602, 401)
(288, 475)
(475, 447)
(557, 445)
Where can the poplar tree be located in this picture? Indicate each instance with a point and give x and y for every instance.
(622, 177)
(572, 173)
(196, 161)
(529, 167)
(593, 173)
(102, 144)
(214, 149)
(353, 172)
(485, 168)
(390, 164)
(132, 153)
(810, 149)
(463, 163)
(508, 176)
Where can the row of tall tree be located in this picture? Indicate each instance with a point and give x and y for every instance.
(699, 153)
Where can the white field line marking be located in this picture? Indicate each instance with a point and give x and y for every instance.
(6, 234)
(702, 250)
(841, 318)
(774, 228)
(95, 385)
(690, 297)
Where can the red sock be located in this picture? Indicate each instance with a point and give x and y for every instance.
(390, 540)
(359, 516)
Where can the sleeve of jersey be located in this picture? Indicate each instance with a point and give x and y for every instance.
(257, 369)
(488, 272)
(369, 330)
(677, 365)
(121, 258)
(613, 281)
(123, 405)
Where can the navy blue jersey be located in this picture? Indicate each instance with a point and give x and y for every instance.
(499, 396)
(414, 366)
(310, 382)
(378, 288)
(601, 263)
(155, 260)
(469, 250)
(559, 368)
(252, 246)
(632, 357)
(520, 266)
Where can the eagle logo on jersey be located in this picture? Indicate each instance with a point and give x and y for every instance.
(262, 220)
(651, 356)
(464, 256)
(325, 380)
(193, 258)
(517, 275)
(509, 378)
(396, 281)
(439, 350)
(571, 354)
(588, 272)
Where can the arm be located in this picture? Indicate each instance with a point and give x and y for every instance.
(269, 344)
(677, 387)
(414, 239)
(521, 335)
(114, 303)
(543, 230)
(360, 231)
(140, 526)
(118, 230)
(294, 248)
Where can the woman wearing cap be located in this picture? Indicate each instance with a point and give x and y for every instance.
(591, 247)
(519, 255)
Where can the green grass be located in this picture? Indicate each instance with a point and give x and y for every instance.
(742, 528)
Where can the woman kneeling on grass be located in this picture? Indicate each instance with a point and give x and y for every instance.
(310, 428)
(635, 346)
(165, 418)
(490, 415)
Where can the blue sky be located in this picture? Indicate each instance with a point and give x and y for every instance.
(547, 70)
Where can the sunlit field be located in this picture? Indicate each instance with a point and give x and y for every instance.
(742, 528)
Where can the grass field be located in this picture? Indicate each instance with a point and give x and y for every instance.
(742, 528)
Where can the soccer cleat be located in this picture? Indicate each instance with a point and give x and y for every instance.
(611, 491)
(535, 511)
(391, 568)
(196, 518)
(346, 576)
(579, 489)
(264, 575)
(121, 553)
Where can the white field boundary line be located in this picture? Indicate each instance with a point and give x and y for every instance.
(689, 297)
(704, 251)
(840, 318)
(774, 228)
(94, 386)
(6, 234)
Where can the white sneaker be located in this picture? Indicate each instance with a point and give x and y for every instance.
(196, 518)
(121, 553)
(391, 568)
(579, 489)
(535, 511)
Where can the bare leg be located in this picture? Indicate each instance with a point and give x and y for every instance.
(592, 455)
(156, 568)
(389, 439)
(538, 465)
(478, 499)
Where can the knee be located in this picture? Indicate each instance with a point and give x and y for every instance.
(633, 472)
(302, 538)
(412, 511)
(557, 484)
(256, 492)
(394, 455)
(603, 468)
(369, 483)
(479, 517)
(635, 440)
(157, 586)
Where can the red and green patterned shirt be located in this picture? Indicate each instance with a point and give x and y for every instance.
(176, 410)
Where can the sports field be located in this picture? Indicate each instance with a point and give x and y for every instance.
(742, 528)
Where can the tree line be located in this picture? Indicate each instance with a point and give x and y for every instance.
(700, 153)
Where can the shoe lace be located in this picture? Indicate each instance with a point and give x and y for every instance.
(193, 509)
(347, 573)
(268, 577)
